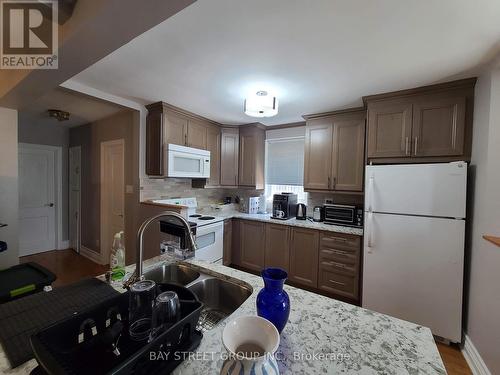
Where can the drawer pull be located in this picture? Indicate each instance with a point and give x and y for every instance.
(338, 252)
(336, 239)
(335, 264)
(337, 282)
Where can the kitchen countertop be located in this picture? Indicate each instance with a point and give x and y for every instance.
(323, 335)
(292, 222)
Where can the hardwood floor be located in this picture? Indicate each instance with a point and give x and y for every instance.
(67, 265)
(453, 360)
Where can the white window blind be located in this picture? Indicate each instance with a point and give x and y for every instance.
(285, 161)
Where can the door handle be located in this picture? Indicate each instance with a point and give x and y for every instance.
(49, 205)
(370, 232)
(407, 146)
(334, 182)
(371, 182)
(416, 146)
(329, 182)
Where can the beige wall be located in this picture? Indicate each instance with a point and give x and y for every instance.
(8, 186)
(124, 125)
(483, 274)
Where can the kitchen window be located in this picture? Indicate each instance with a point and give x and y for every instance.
(285, 164)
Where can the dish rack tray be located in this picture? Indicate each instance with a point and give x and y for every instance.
(58, 350)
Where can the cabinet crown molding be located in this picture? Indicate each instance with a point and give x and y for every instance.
(333, 113)
(467, 83)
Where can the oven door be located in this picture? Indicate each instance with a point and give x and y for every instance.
(188, 164)
(210, 242)
(340, 214)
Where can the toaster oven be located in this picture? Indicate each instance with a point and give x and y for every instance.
(341, 214)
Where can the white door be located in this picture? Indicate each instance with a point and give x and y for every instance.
(74, 197)
(112, 193)
(37, 199)
(413, 270)
(417, 189)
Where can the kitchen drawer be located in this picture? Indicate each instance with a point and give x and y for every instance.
(341, 267)
(340, 241)
(341, 284)
(342, 256)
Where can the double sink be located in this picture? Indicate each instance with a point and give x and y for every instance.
(219, 297)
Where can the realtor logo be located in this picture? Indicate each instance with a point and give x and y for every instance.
(29, 34)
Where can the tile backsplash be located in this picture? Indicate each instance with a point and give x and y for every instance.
(182, 188)
(152, 188)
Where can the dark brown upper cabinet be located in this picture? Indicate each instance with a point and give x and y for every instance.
(426, 124)
(318, 154)
(230, 140)
(214, 146)
(438, 126)
(389, 129)
(166, 124)
(197, 134)
(334, 151)
(175, 129)
(251, 157)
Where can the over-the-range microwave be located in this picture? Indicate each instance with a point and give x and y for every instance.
(188, 162)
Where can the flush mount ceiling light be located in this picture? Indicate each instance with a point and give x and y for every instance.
(58, 114)
(261, 105)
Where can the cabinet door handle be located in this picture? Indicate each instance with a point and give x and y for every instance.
(337, 282)
(416, 146)
(407, 146)
(334, 182)
(335, 264)
(329, 182)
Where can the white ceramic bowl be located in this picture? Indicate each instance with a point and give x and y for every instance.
(251, 329)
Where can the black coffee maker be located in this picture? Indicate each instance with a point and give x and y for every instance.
(284, 206)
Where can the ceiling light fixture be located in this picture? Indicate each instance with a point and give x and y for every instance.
(261, 105)
(58, 114)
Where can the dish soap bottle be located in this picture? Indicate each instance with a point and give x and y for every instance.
(117, 258)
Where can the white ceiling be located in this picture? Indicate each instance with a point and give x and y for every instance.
(83, 109)
(316, 55)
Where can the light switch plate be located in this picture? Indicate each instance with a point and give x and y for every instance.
(129, 189)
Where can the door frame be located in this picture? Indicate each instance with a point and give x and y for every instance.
(79, 236)
(57, 150)
(104, 253)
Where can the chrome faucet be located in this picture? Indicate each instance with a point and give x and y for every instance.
(191, 244)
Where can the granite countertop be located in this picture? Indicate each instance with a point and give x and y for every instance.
(292, 222)
(323, 335)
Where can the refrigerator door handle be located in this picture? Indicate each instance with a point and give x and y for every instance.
(369, 226)
(371, 182)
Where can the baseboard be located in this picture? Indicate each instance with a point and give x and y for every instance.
(94, 256)
(474, 360)
(63, 245)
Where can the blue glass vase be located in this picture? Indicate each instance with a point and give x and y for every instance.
(273, 302)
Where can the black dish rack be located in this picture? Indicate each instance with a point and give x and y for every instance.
(58, 350)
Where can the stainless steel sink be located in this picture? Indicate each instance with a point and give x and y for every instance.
(172, 273)
(220, 299)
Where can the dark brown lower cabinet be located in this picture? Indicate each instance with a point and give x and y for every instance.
(277, 246)
(327, 262)
(252, 244)
(304, 257)
(228, 237)
(339, 264)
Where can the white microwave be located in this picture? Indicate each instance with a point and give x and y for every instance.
(188, 162)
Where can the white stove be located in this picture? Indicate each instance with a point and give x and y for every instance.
(209, 230)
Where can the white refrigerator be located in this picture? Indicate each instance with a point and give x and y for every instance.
(413, 259)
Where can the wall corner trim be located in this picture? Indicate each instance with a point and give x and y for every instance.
(63, 245)
(474, 360)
